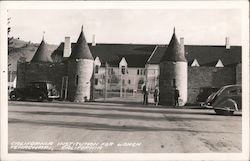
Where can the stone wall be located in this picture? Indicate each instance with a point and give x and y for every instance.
(29, 72)
(239, 74)
(208, 77)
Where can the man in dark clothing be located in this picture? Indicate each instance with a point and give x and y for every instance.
(176, 97)
(145, 94)
(156, 95)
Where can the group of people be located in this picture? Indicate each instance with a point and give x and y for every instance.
(156, 94)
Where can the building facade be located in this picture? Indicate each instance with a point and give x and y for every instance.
(128, 66)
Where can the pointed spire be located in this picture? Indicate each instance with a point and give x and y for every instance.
(43, 35)
(42, 53)
(173, 51)
(81, 49)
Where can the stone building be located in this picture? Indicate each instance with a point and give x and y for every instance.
(128, 66)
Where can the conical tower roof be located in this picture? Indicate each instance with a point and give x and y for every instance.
(81, 49)
(173, 51)
(42, 53)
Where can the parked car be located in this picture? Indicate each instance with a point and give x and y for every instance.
(40, 90)
(227, 100)
(210, 100)
(205, 92)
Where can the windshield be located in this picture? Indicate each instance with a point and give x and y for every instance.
(50, 86)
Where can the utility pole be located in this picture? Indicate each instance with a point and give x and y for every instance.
(106, 81)
(92, 86)
(121, 85)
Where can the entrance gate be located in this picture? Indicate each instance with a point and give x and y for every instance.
(113, 85)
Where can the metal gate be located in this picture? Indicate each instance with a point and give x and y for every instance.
(117, 85)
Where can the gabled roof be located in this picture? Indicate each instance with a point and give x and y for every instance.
(204, 54)
(42, 54)
(173, 51)
(81, 49)
(135, 54)
(194, 63)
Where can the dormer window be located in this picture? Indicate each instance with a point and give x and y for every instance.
(219, 64)
(195, 63)
(123, 69)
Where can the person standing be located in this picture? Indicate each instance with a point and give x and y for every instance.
(145, 94)
(156, 95)
(176, 97)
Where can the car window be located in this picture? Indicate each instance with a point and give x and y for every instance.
(49, 86)
(37, 85)
(232, 91)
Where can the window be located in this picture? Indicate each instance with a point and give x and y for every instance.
(96, 81)
(141, 71)
(123, 70)
(96, 69)
(138, 71)
(174, 83)
(129, 81)
(77, 79)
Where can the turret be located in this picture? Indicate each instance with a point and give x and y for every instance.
(80, 69)
(173, 73)
(41, 54)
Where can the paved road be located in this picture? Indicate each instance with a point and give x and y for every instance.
(110, 127)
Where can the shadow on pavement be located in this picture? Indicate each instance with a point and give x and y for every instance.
(116, 116)
(107, 127)
(144, 109)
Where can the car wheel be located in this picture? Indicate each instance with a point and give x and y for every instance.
(223, 112)
(13, 97)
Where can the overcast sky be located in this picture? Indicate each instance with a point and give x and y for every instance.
(143, 26)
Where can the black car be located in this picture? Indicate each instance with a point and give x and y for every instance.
(41, 90)
(205, 92)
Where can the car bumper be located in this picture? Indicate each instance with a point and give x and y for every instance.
(53, 97)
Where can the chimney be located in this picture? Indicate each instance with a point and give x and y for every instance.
(93, 40)
(182, 45)
(227, 43)
(67, 47)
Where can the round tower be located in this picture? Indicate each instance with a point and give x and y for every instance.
(42, 54)
(173, 73)
(80, 69)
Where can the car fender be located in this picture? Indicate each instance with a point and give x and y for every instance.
(228, 105)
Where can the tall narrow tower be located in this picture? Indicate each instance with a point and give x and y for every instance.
(80, 69)
(173, 73)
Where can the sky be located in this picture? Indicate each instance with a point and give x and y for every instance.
(138, 26)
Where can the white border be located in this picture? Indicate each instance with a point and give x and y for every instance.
(243, 5)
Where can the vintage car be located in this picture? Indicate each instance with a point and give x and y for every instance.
(227, 100)
(205, 92)
(40, 90)
(210, 100)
